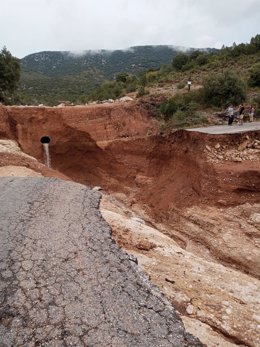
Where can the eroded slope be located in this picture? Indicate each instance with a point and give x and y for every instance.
(200, 193)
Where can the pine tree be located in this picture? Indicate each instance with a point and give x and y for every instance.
(9, 74)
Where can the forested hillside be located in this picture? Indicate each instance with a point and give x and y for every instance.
(51, 77)
(226, 74)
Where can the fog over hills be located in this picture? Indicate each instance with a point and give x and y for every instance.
(107, 62)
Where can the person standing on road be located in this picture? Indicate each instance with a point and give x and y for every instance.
(241, 111)
(230, 113)
(189, 83)
(251, 113)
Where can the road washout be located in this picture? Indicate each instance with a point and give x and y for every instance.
(201, 191)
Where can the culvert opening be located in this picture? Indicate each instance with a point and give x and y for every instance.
(45, 139)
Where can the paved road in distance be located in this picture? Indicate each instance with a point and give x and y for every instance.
(228, 129)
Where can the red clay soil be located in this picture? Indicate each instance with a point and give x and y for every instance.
(10, 159)
(111, 146)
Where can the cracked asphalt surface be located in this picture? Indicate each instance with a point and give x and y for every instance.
(64, 281)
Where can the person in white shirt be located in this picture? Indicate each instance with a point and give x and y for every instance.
(230, 114)
(189, 83)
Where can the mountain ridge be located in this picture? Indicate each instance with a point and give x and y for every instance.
(52, 76)
(134, 59)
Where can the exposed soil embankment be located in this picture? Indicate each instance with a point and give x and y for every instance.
(77, 135)
(108, 145)
(200, 191)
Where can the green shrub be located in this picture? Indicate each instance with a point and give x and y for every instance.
(202, 59)
(108, 90)
(165, 70)
(180, 85)
(130, 87)
(142, 91)
(183, 119)
(168, 108)
(190, 65)
(256, 103)
(152, 75)
(122, 77)
(254, 79)
(223, 89)
(180, 117)
(182, 111)
(180, 60)
(194, 96)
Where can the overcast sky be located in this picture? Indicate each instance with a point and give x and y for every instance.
(30, 26)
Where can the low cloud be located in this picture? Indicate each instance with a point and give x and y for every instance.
(118, 24)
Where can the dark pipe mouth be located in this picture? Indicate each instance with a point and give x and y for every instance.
(45, 139)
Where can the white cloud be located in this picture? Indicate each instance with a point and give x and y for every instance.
(28, 26)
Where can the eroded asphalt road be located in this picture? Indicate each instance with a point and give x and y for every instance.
(64, 282)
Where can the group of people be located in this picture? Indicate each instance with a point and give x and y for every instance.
(241, 113)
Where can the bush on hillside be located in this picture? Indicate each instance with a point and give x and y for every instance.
(223, 89)
(191, 64)
(180, 85)
(202, 59)
(108, 90)
(152, 76)
(123, 77)
(168, 107)
(188, 118)
(254, 80)
(142, 91)
(194, 97)
(256, 103)
(180, 60)
(182, 110)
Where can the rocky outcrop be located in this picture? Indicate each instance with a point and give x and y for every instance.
(247, 150)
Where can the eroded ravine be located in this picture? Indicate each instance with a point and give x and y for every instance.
(199, 191)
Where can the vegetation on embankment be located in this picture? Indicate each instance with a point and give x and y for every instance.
(219, 78)
(230, 75)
